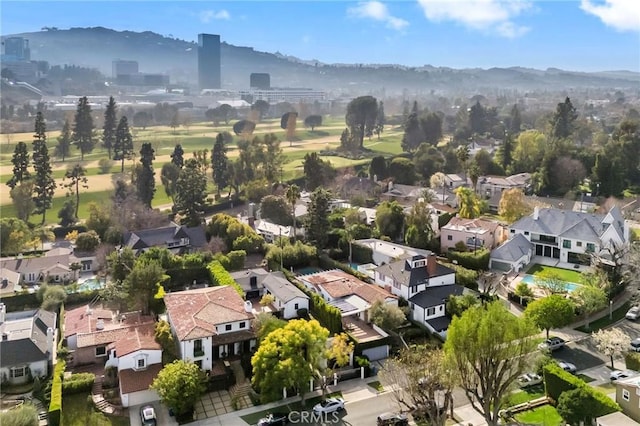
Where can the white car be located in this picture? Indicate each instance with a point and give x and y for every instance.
(568, 367)
(633, 313)
(620, 374)
(529, 379)
(329, 405)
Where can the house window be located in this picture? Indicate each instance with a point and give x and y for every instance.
(566, 244)
(18, 372)
(411, 305)
(141, 363)
(431, 311)
(396, 285)
(449, 237)
(513, 231)
(526, 232)
(227, 327)
(579, 243)
(101, 351)
(295, 307)
(197, 348)
(625, 394)
(243, 324)
(591, 247)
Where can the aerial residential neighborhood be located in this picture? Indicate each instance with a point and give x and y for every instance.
(357, 213)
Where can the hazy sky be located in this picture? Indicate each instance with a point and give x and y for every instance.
(583, 35)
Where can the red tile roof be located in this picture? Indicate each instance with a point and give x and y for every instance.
(195, 313)
(339, 284)
(78, 321)
(135, 381)
(104, 337)
(137, 338)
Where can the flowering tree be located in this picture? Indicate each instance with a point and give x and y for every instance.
(611, 342)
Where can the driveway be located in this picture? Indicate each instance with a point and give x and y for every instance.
(162, 413)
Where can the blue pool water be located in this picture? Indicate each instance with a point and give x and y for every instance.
(308, 270)
(530, 280)
(90, 284)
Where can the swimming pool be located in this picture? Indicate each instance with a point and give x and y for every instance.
(530, 280)
(89, 285)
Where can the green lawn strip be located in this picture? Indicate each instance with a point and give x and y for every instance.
(635, 234)
(564, 274)
(77, 411)
(603, 322)
(524, 395)
(376, 385)
(253, 418)
(585, 378)
(606, 388)
(545, 415)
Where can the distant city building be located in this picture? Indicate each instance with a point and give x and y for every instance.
(209, 68)
(17, 48)
(260, 80)
(276, 95)
(124, 67)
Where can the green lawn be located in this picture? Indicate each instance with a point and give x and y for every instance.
(564, 274)
(77, 411)
(596, 325)
(376, 385)
(524, 395)
(545, 415)
(253, 418)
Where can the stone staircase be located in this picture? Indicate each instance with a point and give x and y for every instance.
(102, 404)
(240, 389)
(43, 419)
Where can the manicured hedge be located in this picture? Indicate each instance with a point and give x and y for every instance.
(55, 406)
(361, 254)
(220, 276)
(78, 383)
(26, 301)
(61, 231)
(186, 276)
(328, 263)
(632, 361)
(557, 381)
(232, 261)
(61, 327)
(465, 277)
(478, 260)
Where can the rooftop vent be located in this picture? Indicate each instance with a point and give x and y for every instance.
(100, 324)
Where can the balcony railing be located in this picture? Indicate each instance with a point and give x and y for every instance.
(198, 353)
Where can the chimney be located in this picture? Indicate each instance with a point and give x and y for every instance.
(252, 210)
(248, 307)
(50, 339)
(536, 212)
(432, 265)
(3, 312)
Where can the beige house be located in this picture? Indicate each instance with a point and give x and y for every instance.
(628, 396)
(474, 233)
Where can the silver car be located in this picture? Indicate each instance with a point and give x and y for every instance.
(633, 313)
(568, 367)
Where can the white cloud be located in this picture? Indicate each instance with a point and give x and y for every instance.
(623, 15)
(207, 15)
(378, 12)
(484, 15)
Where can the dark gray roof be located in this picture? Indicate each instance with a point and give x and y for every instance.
(146, 238)
(512, 249)
(244, 278)
(33, 346)
(434, 296)
(403, 273)
(571, 224)
(281, 288)
(439, 324)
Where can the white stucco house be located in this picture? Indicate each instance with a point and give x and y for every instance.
(288, 297)
(385, 251)
(210, 324)
(28, 344)
(568, 236)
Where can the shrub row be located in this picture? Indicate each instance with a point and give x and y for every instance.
(478, 260)
(220, 276)
(61, 327)
(361, 254)
(26, 301)
(632, 361)
(179, 277)
(55, 406)
(77, 383)
(557, 381)
(328, 263)
(232, 261)
(465, 277)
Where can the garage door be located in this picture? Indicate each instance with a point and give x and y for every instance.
(374, 354)
(142, 397)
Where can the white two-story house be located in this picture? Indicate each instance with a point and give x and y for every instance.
(288, 298)
(210, 324)
(425, 284)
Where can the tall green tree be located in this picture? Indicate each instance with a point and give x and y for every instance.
(22, 197)
(169, 176)
(317, 222)
(110, 125)
(362, 113)
(478, 118)
(44, 185)
(289, 357)
(553, 311)
(82, 134)
(77, 176)
(380, 120)
(563, 119)
(431, 126)
(180, 385)
(419, 228)
(120, 263)
(145, 181)
(515, 120)
(390, 219)
(143, 282)
(413, 135)
(293, 195)
(14, 234)
(21, 162)
(63, 149)
(123, 142)
(504, 154)
(487, 347)
(317, 172)
(177, 156)
(191, 192)
(219, 163)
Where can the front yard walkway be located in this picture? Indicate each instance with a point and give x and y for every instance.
(218, 403)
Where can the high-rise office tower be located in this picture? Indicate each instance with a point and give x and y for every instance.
(209, 61)
(17, 48)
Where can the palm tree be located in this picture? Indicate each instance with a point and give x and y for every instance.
(474, 174)
(293, 195)
(462, 153)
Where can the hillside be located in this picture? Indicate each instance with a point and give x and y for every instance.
(97, 47)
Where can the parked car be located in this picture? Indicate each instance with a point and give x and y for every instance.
(621, 374)
(274, 419)
(529, 379)
(329, 405)
(148, 415)
(568, 367)
(552, 344)
(393, 419)
(635, 345)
